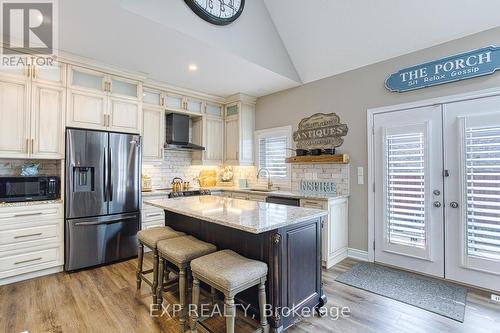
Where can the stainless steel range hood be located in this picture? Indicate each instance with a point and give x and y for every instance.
(177, 133)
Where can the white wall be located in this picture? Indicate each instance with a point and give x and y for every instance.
(350, 94)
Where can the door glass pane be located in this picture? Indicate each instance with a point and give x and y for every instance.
(151, 97)
(405, 189)
(52, 73)
(193, 105)
(173, 102)
(87, 80)
(123, 88)
(482, 148)
(232, 110)
(213, 109)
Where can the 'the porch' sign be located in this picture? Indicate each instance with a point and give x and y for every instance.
(463, 66)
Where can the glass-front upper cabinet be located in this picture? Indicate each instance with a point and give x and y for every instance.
(232, 110)
(152, 97)
(123, 87)
(193, 105)
(214, 109)
(174, 102)
(49, 74)
(87, 79)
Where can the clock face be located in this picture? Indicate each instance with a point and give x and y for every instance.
(220, 12)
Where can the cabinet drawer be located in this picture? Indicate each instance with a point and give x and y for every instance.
(15, 217)
(29, 262)
(241, 196)
(22, 235)
(256, 197)
(312, 204)
(153, 215)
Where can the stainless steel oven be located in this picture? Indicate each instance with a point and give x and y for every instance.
(16, 189)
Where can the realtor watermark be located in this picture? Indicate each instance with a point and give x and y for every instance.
(28, 33)
(210, 310)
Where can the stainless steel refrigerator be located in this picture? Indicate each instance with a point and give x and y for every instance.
(102, 201)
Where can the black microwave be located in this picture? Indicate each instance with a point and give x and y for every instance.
(15, 189)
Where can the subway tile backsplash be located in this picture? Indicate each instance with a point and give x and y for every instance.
(12, 167)
(336, 172)
(178, 164)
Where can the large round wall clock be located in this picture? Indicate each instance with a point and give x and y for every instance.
(219, 12)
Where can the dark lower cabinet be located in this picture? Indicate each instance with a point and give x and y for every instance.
(293, 256)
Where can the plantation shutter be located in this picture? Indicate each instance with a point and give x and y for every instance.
(482, 164)
(272, 155)
(405, 189)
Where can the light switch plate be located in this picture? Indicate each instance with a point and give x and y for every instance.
(495, 298)
(361, 176)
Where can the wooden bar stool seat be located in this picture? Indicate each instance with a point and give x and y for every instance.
(179, 252)
(150, 238)
(230, 273)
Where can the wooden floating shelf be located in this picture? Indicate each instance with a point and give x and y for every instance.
(332, 159)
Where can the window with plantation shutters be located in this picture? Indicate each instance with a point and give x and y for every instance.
(405, 189)
(482, 171)
(272, 155)
(272, 151)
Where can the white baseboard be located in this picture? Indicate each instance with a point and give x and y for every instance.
(357, 254)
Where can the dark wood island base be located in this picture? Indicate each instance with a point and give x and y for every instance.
(293, 256)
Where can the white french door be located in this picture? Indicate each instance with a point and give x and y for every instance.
(408, 190)
(437, 190)
(473, 192)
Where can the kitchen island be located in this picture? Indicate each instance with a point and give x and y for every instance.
(286, 238)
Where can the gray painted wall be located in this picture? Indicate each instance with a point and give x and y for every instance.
(350, 94)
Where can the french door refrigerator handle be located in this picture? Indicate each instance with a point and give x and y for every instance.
(104, 176)
(105, 222)
(110, 179)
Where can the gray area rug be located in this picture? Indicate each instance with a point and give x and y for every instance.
(433, 295)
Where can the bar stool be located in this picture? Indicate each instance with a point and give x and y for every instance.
(179, 252)
(229, 273)
(150, 238)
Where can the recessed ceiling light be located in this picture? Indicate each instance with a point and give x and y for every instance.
(192, 67)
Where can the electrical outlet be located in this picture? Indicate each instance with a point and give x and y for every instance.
(495, 298)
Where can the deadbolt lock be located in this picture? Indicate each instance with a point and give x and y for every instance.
(436, 192)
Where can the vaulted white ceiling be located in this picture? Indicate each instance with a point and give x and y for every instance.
(328, 37)
(274, 45)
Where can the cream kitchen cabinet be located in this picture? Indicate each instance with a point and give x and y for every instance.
(208, 131)
(153, 133)
(100, 101)
(335, 228)
(32, 111)
(179, 103)
(31, 241)
(239, 130)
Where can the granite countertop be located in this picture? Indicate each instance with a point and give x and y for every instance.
(30, 203)
(246, 215)
(285, 194)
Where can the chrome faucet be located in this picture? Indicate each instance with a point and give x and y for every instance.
(269, 182)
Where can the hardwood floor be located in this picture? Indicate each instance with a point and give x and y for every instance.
(105, 300)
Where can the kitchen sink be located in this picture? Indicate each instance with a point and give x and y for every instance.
(259, 190)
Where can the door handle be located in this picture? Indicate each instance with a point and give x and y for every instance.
(110, 194)
(104, 176)
(454, 204)
(27, 214)
(105, 222)
(437, 204)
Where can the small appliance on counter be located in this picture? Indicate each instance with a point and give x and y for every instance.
(146, 183)
(21, 188)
